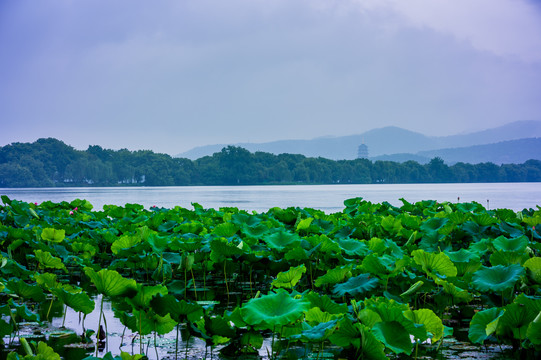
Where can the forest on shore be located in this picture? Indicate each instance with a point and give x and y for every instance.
(50, 162)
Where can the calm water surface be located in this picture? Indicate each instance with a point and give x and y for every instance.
(328, 198)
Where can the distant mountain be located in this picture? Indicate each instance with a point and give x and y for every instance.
(504, 152)
(382, 141)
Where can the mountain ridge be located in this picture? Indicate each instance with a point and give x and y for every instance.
(380, 141)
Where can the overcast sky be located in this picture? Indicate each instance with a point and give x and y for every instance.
(171, 75)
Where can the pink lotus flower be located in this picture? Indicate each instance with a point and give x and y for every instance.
(71, 212)
(75, 209)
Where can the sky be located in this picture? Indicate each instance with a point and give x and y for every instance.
(170, 75)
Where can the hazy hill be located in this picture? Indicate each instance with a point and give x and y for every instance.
(381, 141)
(505, 152)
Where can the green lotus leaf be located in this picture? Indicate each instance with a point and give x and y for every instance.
(429, 319)
(226, 229)
(304, 224)
(281, 239)
(316, 316)
(26, 291)
(222, 249)
(369, 317)
(353, 247)
(288, 279)
(394, 336)
(318, 333)
(297, 253)
(413, 288)
(53, 235)
(517, 244)
(110, 282)
(148, 321)
(432, 263)
(391, 224)
(508, 258)
(356, 285)
(325, 304)
(534, 269)
(334, 276)
(179, 310)
(273, 309)
(252, 339)
(497, 278)
(534, 330)
(144, 294)
(516, 320)
(466, 261)
(22, 311)
(458, 294)
(348, 334)
(49, 261)
(79, 302)
(125, 242)
(484, 219)
(483, 324)
(5, 328)
(433, 224)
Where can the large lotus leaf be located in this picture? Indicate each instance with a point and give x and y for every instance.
(148, 321)
(53, 235)
(394, 336)
(43, 352)
(356, 285)
(505, 258)
(274, 309)
(515, 244)
(390, 310)
(297, 253)
(179, 310)
(188, 242)
(353, 247)
(318, 333)
(79, 302)
(515, 320)
(534, 268)
(324, 303)
(26, 291)
(47, 280)
(288, 279)
(326, 245)
(334, 276)
(534, 330)
(252, 339)
(316, 316)
(391, 224)
(458, 294)
(497, 278)
(281, 239)
(226, 229)
(433, 263)
(429, 319)
(484, 219)
(369, 317)
(144, 294)
(433, 224)
(125, 242)
(483, 324)
(22, 311)
(222, 249)
(110, 282)
(373, 265)
(49, 261)
(348, 334)
(466, 261)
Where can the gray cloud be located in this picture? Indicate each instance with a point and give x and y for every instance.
(170, 75)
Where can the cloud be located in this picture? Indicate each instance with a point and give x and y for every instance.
(503, 27)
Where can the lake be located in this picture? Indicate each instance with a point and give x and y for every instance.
(329, 198)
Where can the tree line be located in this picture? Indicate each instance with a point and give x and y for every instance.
(50, 162)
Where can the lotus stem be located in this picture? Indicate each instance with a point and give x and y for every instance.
(99, 325)
(251, 292)
(65, 312)
(50, 307)
(176, 344)
(226, 286)
(155, 344)
(194, 288)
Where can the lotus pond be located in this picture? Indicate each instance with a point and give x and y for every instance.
(374, 281)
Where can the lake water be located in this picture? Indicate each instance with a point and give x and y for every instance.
(328, 198)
